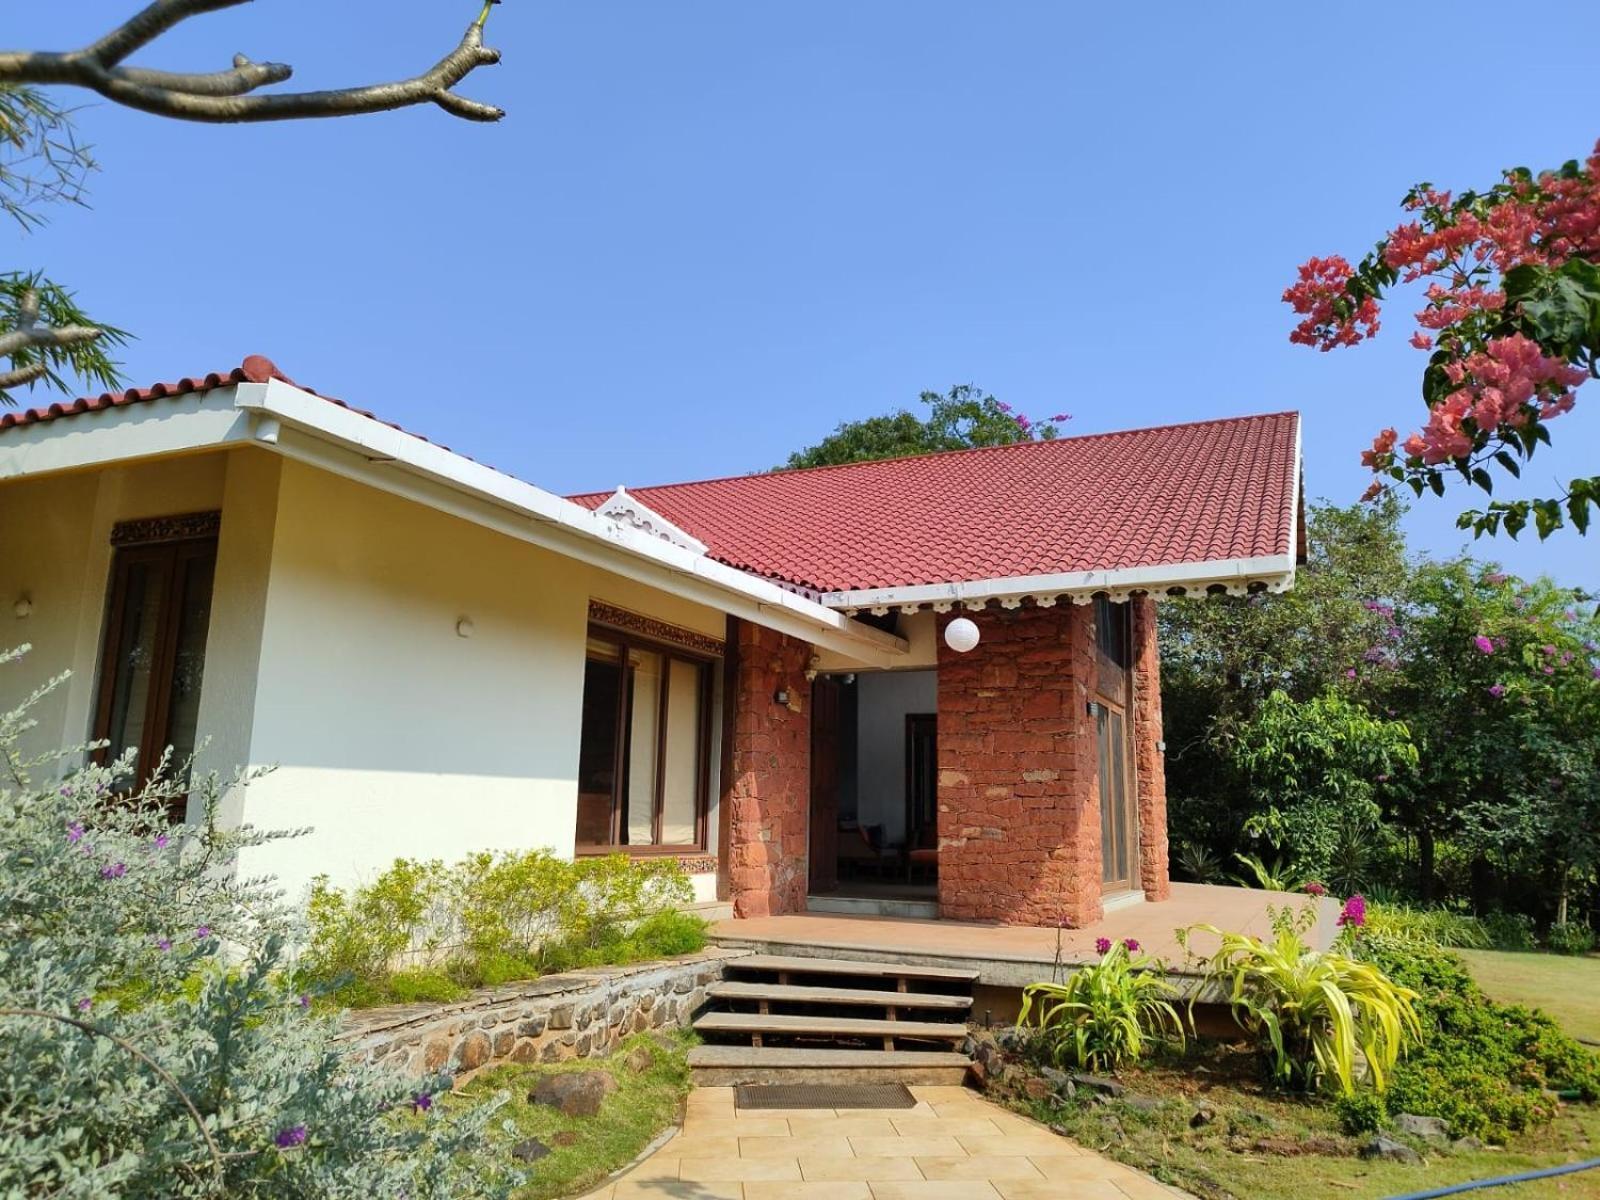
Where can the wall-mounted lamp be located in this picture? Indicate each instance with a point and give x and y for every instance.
(1094, 708)
(24, 606)
(465, 628)
(781, 696)
(1161, 746)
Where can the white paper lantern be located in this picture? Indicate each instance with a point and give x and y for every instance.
(961, 635)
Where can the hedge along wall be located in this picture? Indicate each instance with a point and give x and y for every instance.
(572, 1015)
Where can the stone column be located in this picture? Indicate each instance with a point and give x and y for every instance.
(769, 786)
(1149, 760)
(1019, 809)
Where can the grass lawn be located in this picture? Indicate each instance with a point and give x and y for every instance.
(645, 1104)
(1265, 1145)
(1566, 987)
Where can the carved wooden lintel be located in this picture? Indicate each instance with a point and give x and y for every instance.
(182, 527)
(602, 613)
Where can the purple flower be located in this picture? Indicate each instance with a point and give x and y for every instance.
(114, 871)
(1102, 946)
(1131, 945)
(1373, 654)
(1550, 650)
(1483, 644)
(1497, 690)
(1315, 889)
(1062, 417)
(1002, 406)
(163, 944)
(1549, 670)
(295, 1135)
(421, 1102)
(83, 1005)
(304, 1001)
(202, 933)
(161, 842)
(1496, 578)
(1350, 673)
(1354, 913)
(74, 833)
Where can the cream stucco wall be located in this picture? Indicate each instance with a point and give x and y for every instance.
(333, 656)
(388, 732)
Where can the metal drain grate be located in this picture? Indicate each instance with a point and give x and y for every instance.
(823, 1095)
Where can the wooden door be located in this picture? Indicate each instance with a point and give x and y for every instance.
(922, 776)
(1119, 835)
(824, 869)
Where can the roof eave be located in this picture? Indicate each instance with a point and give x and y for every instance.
(1235, 576)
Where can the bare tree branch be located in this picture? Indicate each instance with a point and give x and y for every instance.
(225, 96)
(30, 333)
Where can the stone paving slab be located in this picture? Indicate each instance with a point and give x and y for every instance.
(954, 1145)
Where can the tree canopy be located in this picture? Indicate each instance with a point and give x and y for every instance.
(964, 417)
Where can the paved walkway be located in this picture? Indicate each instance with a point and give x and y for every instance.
(954, 1145)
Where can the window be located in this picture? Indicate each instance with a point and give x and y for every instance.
(154, 655)
(1113, 649)
(644, 750)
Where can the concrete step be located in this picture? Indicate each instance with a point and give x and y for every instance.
(874, 906)
(847, 1027)
(796, 965)
(863, 997)
(729, 1066)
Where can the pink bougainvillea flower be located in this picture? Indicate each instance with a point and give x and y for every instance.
(1497, 690)
(1316, 889)
(1354, 913)
(1483, 644)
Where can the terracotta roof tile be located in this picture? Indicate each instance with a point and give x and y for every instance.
(1147, 497)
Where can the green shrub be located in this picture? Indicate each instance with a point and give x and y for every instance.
(1361, 1112)
(1483, 1067)
(424, 931)
(1510, 931)
(1313, 1010)
(1104, 1015)
(1436, 926)
(1570, 937)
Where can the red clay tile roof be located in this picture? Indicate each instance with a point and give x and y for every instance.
(1212, 490)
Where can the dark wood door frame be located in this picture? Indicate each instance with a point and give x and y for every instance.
(823, 835)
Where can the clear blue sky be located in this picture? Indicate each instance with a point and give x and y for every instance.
(709, 232)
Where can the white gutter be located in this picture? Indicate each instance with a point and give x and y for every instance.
(1234, 575)
(405, 465)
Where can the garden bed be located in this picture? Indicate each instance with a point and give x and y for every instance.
(1206, 1123)
(563, 1154)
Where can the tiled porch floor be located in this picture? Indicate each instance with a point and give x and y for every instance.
(1022, 948)
(954, 1145)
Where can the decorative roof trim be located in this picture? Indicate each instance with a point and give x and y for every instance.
(181, 527)
(654, 628)
(634, 513)
(1236, 577)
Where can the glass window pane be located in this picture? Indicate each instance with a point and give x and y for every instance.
(194, 617)
(644, 724)
(597, 748)
(138, 641)
(681, 784)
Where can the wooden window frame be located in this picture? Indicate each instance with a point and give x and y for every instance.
(669, 651)
(176, 541)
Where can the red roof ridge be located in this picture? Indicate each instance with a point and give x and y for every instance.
(932, 454)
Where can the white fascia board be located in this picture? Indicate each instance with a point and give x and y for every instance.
(1275, 571)
(146, 429)
(400, 463)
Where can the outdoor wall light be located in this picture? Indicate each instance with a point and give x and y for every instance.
(1094, 709)
(24, 606)
(781, 696)
(961, 635)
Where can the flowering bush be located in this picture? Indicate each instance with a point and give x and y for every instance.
(1106, 1014)
(1510, 320)
(154, 1046)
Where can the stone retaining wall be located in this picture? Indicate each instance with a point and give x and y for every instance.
(572, 1015)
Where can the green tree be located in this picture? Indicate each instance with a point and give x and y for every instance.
(1314, 769)
(45, 338)
(1497, 677)
(964, 417)
(1222, 656)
